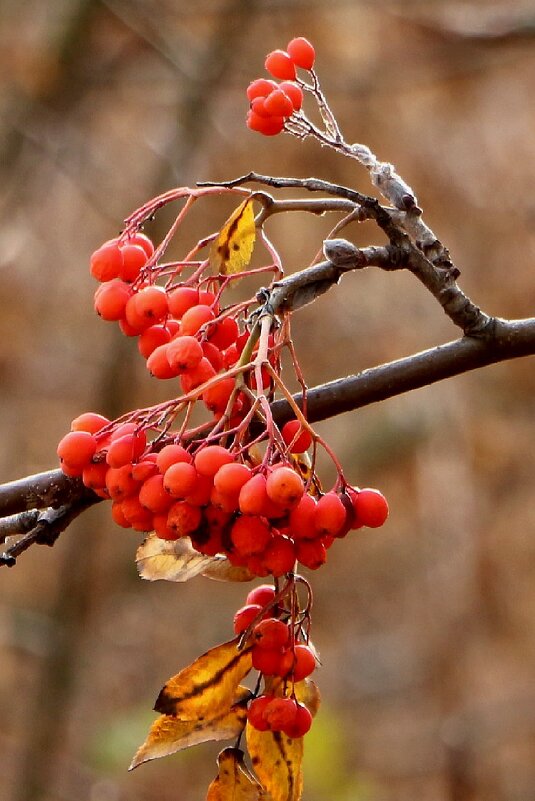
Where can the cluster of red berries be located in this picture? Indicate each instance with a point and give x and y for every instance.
(261, 518)
(180, 333)
(275, 653)
(272, 103)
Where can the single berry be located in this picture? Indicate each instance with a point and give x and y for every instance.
(89, 421)
(181, 299)
(106, 262)
(269, 126)
(260, 87)
(210, 458)
(184, 353)
(171, 454)
(295, 437)
(300, 724)
(134, 257)
(301, 52)
(255, 713)
(278, 104)
(330, 515)
(284, 486)
(279, 556)
(294, 92)
(194, 318)
(280, 65)
(179, 479)
(263, 595)
(76, 449)
(250, 535)
(371, 507)
(271, 633)
(245, 616)
(111, 300)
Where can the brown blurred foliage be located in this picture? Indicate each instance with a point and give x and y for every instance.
(426, 627)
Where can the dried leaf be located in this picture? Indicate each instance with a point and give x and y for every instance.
(168, 734)
(307, 693)
(207, 687)
(233, 781)
(232, 249)
(177, 560)
(277, 761)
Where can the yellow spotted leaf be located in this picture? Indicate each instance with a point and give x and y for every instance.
(168, 734)
(277, 761)
(207, 687)
(177, 560)
(233, 781)
(233, 247)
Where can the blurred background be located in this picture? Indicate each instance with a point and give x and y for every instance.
(426, 627)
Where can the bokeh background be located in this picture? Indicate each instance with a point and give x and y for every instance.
(426, 627)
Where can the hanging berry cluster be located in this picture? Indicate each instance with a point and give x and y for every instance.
(237, 491)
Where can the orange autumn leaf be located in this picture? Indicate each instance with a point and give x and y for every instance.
(207, 687)
(177, 560)
(168, 734)
(277, 761)
(233, 247)
(233, 781)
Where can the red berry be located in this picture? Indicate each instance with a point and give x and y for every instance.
(280, 65)
(180, 479)
(214, 355)
(263, 595)
(191, 379)
(245, 616)
(258, 109)
(134, 257)
(158, 363)
(271, 633)
(301, 521)
(184, 518)
(171, 454)
(194, 318)
(139, 518)
(145, 468)
(111, 300)
(153, 496)
(297, 439)
(255, 713)
(106, 262)
(261, 87)
(278, 104)
(280, 713)
(250, 535)
(151, 338)
(300, 724)
(201, 493)
(224, 333)
(150, 303)
(184, 353)
(126, 449)
(301, 52)
(304, 662)
(94, 475)
(294, 92)
(268, 126)
(371, 507)
(330, 515)
(284, 486)
(279, 556)
(120, 482)
(231, 477)
(311, 553)
(217, 397)
(210, 458)
(89, 421)
(267, 660)
(181, 299)
(118, 515)
(76, 449)
(141, 240)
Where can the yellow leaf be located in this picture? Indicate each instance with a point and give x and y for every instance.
(307, 693)
(277, 761)
(206, 688)
(168, 734)
(233, 782)
(177, 560)
(233, 247)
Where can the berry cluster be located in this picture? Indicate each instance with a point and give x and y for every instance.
(276, 654)
(272, 103)
(261, 518)
(179, 328)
